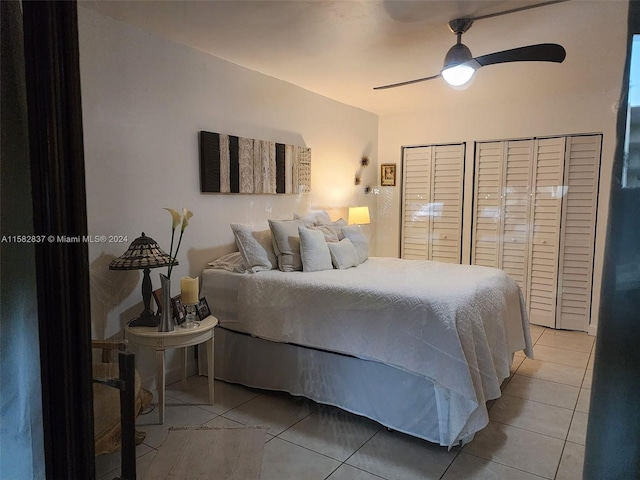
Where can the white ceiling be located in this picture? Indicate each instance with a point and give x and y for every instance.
(342, 49)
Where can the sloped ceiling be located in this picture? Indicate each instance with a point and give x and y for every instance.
(342, 49)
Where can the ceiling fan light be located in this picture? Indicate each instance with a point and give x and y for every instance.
(458, 75)
(456, 55)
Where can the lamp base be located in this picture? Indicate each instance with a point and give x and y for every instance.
(145, 321)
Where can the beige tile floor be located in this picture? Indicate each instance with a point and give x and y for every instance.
(537, 428)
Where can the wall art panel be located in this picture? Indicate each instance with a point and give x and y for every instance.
(231, 164)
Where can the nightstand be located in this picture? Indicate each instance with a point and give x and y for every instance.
(179, 338)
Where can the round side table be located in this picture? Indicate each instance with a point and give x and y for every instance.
(179, 338)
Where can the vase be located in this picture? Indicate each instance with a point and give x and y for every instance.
(166, 319)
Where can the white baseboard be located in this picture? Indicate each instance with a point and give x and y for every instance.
(593, 330)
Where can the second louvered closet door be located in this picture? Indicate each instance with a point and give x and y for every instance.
(544, 220)
(432, 202)
(577, 235)
(534, 217)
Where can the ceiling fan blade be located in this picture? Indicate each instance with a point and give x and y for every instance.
(401, 84)
(543, 52)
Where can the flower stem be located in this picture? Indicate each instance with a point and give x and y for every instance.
(173, 232)
(179, 242)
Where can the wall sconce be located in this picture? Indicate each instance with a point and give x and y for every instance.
(364, 162)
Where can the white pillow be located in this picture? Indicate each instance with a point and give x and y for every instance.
(286, 243)
(256, 247)
(330, 234)
(343, 254)
(314, 251)
(231, 262)
(317, 217)
(359, 240)
(337, 226)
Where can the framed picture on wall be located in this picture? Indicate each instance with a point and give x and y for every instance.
(388, 174)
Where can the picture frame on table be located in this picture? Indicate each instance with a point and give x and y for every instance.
(388, 174)
(157, 297)
(179, 311)
(203, 309)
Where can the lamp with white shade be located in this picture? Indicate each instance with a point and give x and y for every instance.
(359, 216)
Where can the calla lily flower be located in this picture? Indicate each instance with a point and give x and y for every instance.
(175, 217)
(186, 215)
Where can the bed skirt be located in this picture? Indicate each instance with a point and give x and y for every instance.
(394, 398)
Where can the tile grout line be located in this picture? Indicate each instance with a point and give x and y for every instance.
(538, 401)
(505, 465)
(300, 420)
(449, 466)
(557, 363)
(311, 450)
(362, 446)
(561, 454)
(541, 403)
(531, 431)
(357, 468)
(552, 381)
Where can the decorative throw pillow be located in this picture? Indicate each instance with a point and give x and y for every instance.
(256, 247)
(286, 243)
(231, 262)
(328, 231)
(343, 254)
(314, 251)
(359, 240)
(316, 217)
(337, 226)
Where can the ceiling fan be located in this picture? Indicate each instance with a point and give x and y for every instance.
(460, 66)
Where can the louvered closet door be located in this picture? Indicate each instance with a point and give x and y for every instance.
(487, 204)
(515, 210)
(432, 203)
(545, 216)
(577, 237)
(416, 222)
(446, 222)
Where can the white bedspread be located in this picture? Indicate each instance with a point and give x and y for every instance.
(457, 325)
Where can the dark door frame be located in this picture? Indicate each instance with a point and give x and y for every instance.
(613, 444)
(59, 207)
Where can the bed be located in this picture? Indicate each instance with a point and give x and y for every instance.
(418, 346)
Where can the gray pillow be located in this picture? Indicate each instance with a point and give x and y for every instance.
(330, 234)
(337, 226)
(256, 247)
(314, 251)
(359, 240)
(317, 217)
(286, 243)
(343, 254)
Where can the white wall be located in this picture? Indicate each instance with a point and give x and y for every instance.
(482, 112)
(144, 101)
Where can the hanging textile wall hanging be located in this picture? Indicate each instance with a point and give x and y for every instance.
(230, 164)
